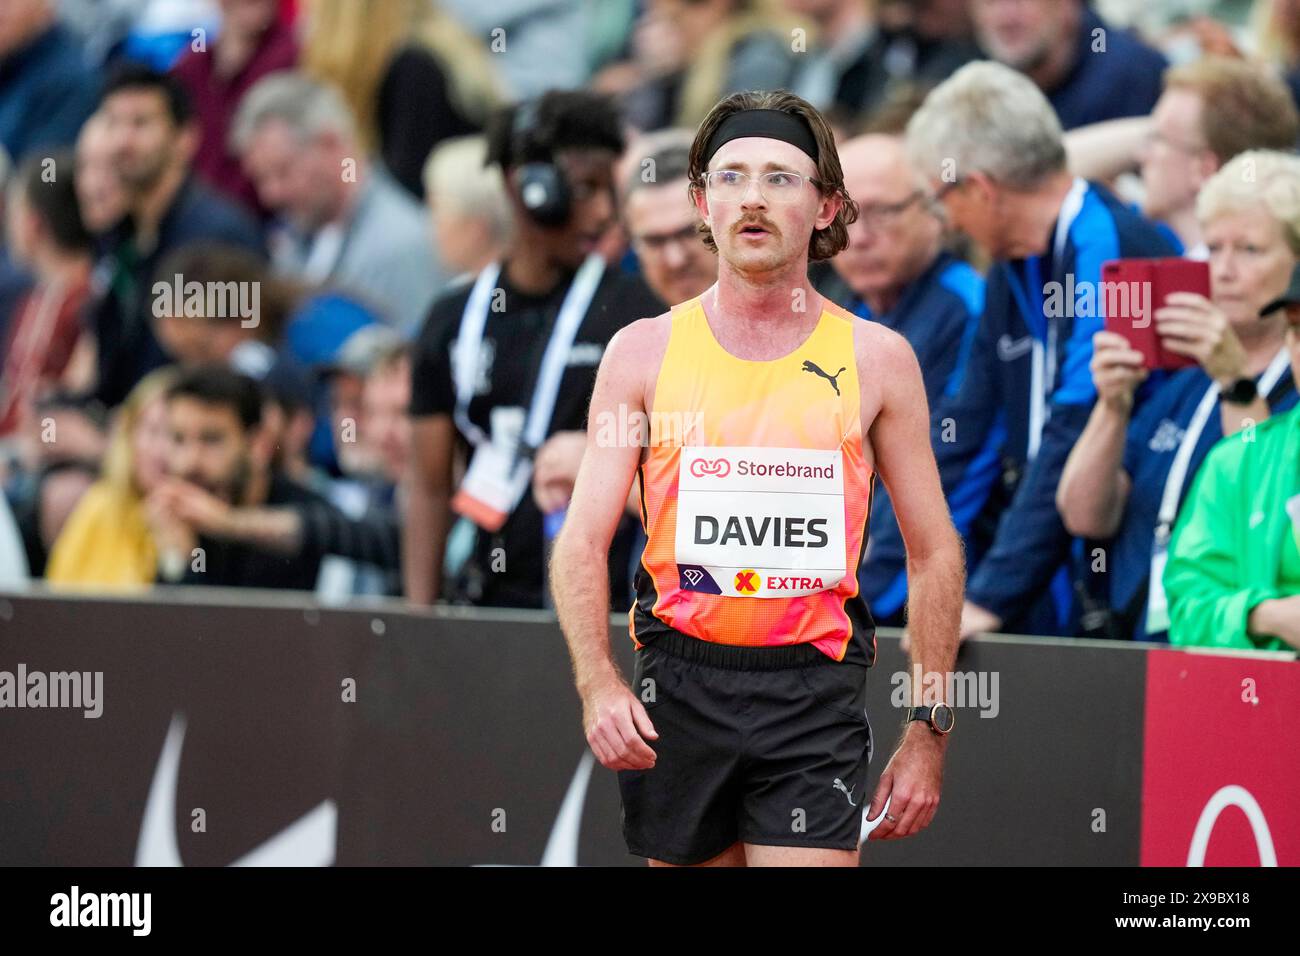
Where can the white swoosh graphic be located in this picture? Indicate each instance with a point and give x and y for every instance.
(562, 847)
(312, 840)
(1010, 349)
(562, 844)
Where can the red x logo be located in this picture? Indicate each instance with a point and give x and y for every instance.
(745, 582)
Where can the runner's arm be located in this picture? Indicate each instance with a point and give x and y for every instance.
(900, 438)
(579, 572)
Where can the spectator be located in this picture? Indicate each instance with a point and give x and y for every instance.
(1210, 110)
(252, 43)
(152, 137)
(664, 226)
(348, 224)
(1276, 28)
(46, 235)
(219, 457)
(1089, 70)
(988, 141)
(677, 266)
(412, 76)
(1233, 577)
(1127, 476)
(688, 54)
(46, 88)
(913, 45)
(467, 199)
(488, 391)
(101, 194)
(217, 303)
(107, 542)
(539, 44)
(358, 532)
(896, 271)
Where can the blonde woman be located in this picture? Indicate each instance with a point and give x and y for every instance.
(411, 74)
(106, 543)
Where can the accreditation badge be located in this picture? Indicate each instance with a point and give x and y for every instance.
(760, 522)
(498, 476)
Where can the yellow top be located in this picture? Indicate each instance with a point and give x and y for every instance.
(106, 543)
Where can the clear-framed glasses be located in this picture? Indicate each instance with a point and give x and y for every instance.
(881, 214)
(777, 186)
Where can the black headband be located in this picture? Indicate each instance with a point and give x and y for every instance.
(770, 124)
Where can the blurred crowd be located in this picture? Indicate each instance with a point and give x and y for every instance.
(311, 293)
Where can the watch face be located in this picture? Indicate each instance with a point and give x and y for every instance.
(943, 718)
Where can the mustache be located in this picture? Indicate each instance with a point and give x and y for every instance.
(755, 221)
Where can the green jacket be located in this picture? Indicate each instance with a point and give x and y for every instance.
(1220, 565)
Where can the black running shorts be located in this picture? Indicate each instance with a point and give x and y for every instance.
(766, 745)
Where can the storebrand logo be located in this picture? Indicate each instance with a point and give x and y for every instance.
(712, 467)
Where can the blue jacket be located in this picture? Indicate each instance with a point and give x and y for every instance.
(938, 314)
(1114, 75)
(1152, 441)
(1002, 497)
(46, 92)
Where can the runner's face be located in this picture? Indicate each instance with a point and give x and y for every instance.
(754, 234)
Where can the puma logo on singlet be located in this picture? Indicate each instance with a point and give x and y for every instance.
(812, 367)
(839, 784)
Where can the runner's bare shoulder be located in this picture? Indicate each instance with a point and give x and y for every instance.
(637, 350)
(884, 356)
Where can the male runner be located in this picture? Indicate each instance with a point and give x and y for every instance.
(744, 739)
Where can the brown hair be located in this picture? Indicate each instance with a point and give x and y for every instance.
(1244, 106)
(825, 242)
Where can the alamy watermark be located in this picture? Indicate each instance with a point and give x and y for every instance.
(208, 300)
(973, 689)
(82, 690)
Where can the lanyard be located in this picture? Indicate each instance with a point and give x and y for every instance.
(1177, 476)
(1042, 327)
(469, 339)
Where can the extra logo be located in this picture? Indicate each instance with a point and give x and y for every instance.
(747, 581)
(812, 367)
(710, 467)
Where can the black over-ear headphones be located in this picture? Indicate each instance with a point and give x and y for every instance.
(543, 190)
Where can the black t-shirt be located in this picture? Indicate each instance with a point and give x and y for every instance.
(233, 565)
(513, 341)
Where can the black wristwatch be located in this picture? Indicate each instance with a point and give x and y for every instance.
(940, 717)
(1241, 392)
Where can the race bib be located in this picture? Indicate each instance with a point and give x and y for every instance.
(760, 522)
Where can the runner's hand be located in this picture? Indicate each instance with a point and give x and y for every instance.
(617, 727)
(911, 782)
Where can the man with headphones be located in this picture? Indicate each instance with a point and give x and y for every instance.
(509, 359)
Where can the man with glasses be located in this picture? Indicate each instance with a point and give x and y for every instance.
(1210, 111)
(896, 271)
(743, 739)
(991, 148)
(664, 226)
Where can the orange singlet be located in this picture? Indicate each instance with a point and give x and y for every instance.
(755, 494)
